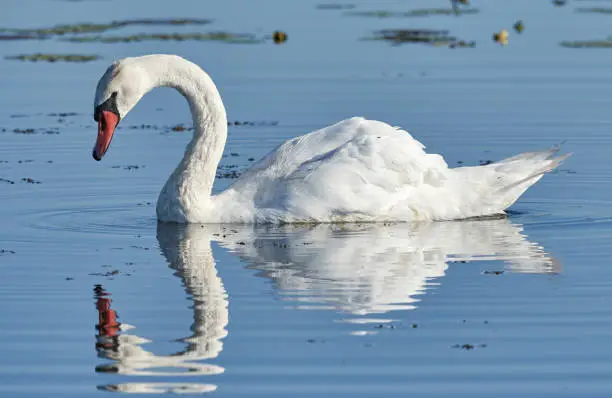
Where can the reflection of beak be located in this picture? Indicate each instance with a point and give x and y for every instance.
(107, 122)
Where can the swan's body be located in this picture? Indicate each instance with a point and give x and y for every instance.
(355, 170)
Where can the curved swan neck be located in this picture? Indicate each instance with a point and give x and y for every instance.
(196, 172)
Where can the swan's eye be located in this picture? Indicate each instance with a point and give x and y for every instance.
(109, 105)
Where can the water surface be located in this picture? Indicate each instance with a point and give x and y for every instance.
(98, 298)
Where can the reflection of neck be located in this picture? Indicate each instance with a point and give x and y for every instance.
(195, 174)
(191, 257)
(195, 265)
(188, 252)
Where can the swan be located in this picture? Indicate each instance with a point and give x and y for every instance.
(356, 170)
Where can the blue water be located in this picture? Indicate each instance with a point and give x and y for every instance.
(97, 297)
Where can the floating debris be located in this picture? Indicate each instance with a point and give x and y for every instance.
(425, 12)
(6, 251)
(178, 127)
(279, 37)
(519, 26)
(80, 28)
(501, 37)
(226, 37)
(38, 57)
(559, 3)
(30, 180)
(335, 6)
(7, 181)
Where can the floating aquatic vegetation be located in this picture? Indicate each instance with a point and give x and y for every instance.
(519, 26)
(412, 13)
(598, 10)
(279, 37)
(24, 131)
(101, 27)
(62, 114)
(20, 37)
(468, 347)
(38, 57)
(28, 131)
(128, 167)
(424, 36)
(335, 6)
(462, 44)
(226, 37)
(492, 272)
(253, 123)
(607, 43)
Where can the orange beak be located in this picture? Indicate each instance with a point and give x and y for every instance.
(107, 122)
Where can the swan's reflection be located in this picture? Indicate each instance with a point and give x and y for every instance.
(191, 257)
(355, 269)
(372, 268)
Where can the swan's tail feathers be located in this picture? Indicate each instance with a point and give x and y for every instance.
(537, 155)
(514, 175)
(541, 165)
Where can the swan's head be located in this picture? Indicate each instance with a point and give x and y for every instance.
(119, 89)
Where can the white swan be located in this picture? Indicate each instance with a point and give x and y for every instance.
(355, 170)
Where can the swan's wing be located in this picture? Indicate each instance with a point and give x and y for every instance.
(353, 167)
(305, 149)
